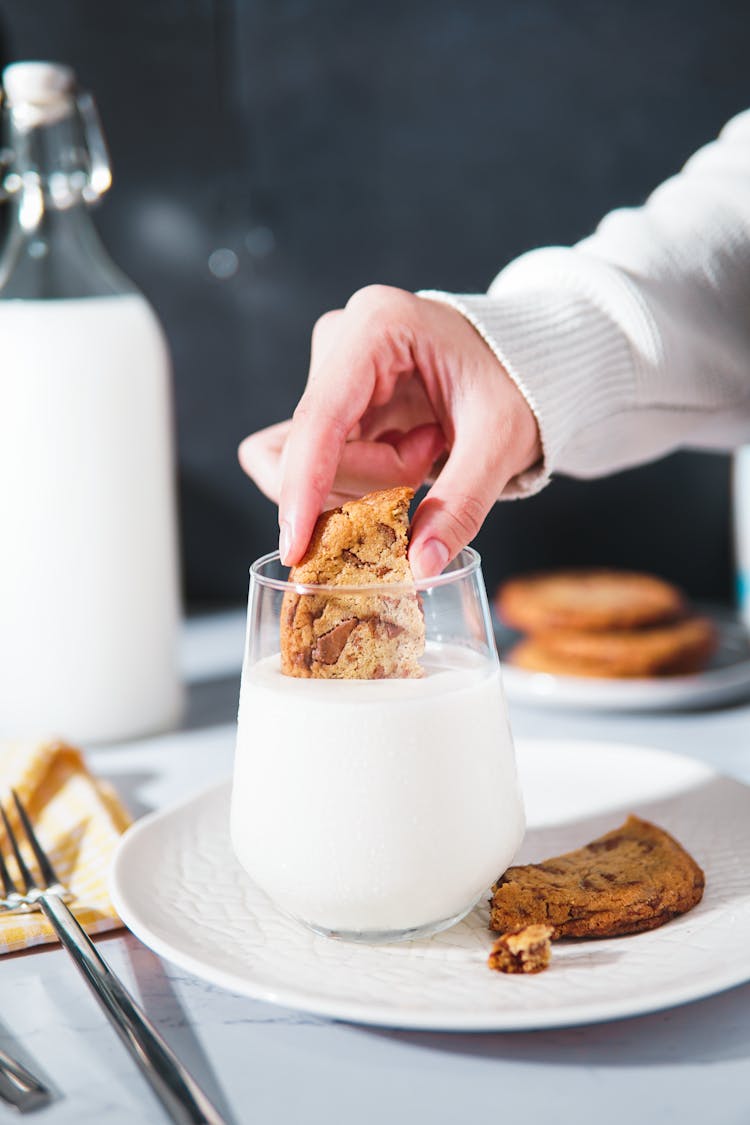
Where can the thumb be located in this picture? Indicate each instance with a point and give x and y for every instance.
(454, 509)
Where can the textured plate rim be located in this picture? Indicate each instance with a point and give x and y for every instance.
(322, 1005)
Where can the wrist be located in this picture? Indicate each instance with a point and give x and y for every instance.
(549, 322)
(523, 436)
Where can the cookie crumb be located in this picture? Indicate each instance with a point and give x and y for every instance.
(527, 950)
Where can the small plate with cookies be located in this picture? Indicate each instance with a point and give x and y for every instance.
(604, 639)
(629, 894)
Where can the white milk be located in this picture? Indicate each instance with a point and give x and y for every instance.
(88, 563)
(376, 806)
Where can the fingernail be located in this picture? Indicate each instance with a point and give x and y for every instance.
(285, 541)
(432, 558)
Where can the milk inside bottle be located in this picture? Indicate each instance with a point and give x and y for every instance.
(89, 605)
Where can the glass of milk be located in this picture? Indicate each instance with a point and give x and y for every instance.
(377, 810)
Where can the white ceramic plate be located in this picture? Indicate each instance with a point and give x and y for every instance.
(726, 680)
(177, 885)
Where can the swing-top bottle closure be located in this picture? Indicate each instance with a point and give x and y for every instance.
(37, 96)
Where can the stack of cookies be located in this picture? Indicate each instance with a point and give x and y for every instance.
(604, 623)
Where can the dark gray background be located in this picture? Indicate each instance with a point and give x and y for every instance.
(421, 144)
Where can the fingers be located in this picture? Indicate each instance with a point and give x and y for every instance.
(496, 437)
(324, 334)
(447, 519)
(261, 455)
(393, 460)
(395, 382)
(358, 358)
(456, 506)
(314, 448)
(408, 408)
(365, 466)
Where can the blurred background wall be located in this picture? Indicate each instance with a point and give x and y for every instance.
(271, 156)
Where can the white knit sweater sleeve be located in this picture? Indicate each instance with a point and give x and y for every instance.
(636, 340)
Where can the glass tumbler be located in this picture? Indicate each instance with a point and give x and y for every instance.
(377, 810)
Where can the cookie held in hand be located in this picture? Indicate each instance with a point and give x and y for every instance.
(351, 635)
(635, 878)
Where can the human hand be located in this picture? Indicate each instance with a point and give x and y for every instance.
(396, 384)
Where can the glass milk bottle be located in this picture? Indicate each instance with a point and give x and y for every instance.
(89, 604)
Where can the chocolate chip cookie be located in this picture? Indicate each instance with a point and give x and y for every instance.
(375, 634)
(679, 649)
(590, 599)
(632, 879)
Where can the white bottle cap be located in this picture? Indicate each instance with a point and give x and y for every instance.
(38, 93)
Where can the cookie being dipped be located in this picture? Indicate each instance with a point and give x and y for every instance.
(349, 635)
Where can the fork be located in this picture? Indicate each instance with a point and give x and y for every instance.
(179, 1093)
(19, 1087)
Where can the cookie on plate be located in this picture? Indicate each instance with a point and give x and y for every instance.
(632, 879)
(679, 649)
(348, 635)
(522, 951)
(591, 599)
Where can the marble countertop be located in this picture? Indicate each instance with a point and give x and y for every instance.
(260, 1063)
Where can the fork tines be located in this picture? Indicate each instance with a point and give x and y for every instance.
(46, 870)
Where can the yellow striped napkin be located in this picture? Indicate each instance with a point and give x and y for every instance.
(78, 819)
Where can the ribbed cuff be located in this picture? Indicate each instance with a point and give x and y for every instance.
(552, 326)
